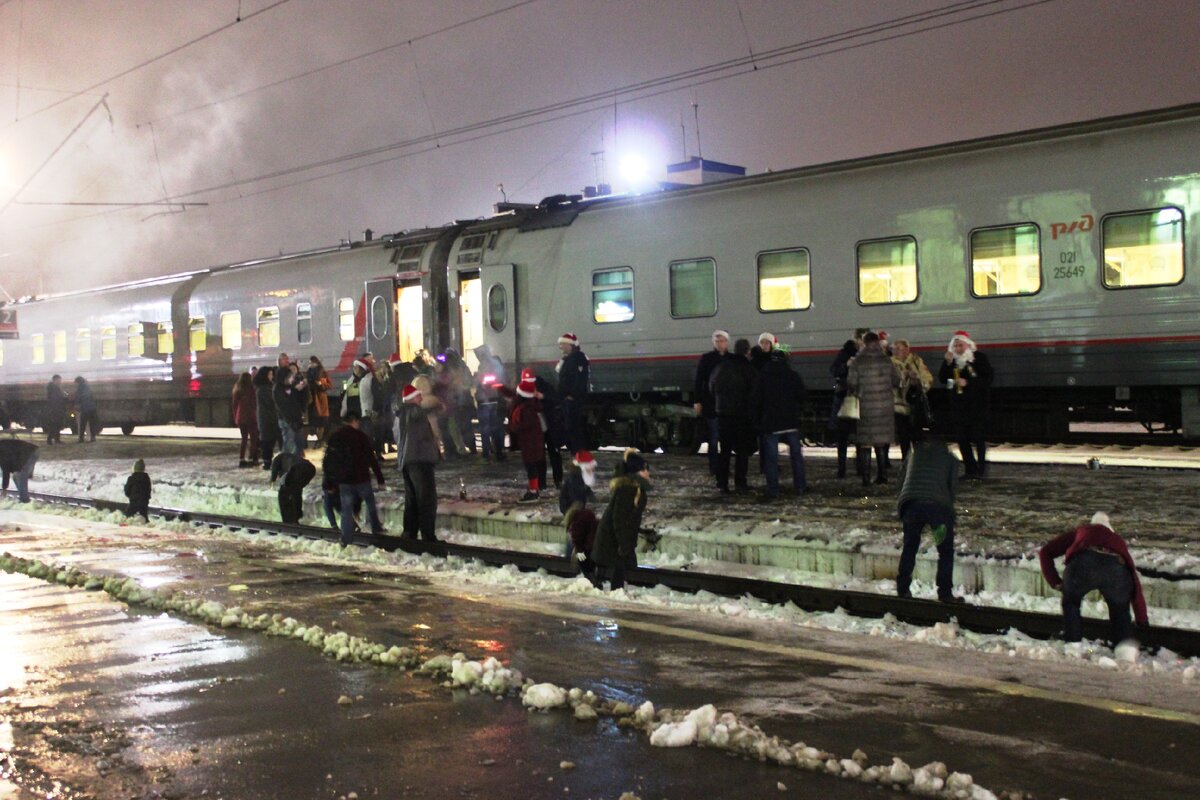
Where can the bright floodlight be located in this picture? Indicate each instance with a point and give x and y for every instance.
(634, 169)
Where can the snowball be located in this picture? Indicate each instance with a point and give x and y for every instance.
(851, 767)
(674, 734)
(644, 714)
(1127, 652)
(543, 696)
(899, 772)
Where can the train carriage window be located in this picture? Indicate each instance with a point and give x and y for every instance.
(408, 258)
(379, 317)
(304, 323)
(197, 335)
(137, 343)
(38, 343)
(887, 271)
(346, 318)
(268, 326)
(166, 338)
(784, 281)
(1006, 261)
(471, 249)
(83, 344)
(60, 347)
(1144, 248)
(231, 330)
(497, 307)
(108, 343)
(693, 288)
(612, 295)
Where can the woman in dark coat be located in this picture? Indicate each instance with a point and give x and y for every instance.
(872, 377)
(615, 550)
(525, 428)
(968, 373)
(245, 417)
(268, 419)
(841, 428)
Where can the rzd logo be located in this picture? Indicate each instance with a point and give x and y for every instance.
(1083, 224)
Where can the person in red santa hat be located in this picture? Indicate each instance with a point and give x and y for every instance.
(573, 384)
(525, 423)
(967, 374)
(416, 433)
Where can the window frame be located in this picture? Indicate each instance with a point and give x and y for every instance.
(758, 279)
(83, 339)
(342, 316)
(258, 326)
(971, 261)
(165, 329)
(225, 341)
(488, 304)
(59, 345)
(671, 287)
(197, 325)
(37, 348)
(108, 336)
(306, 308)
(1182, 247)
(858, 270)
(632, 294)
(139, 337)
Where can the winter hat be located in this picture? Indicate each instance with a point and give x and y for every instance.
(139, 466)
(365, 364)
(634, 463)
(527, 387)
(395, 360)
(410, 394)
(766, 336)
(527, 374)
(1100, 518)
(883, 336)
(718, 333)
(569, 338)
(585, 459)
(966, 339)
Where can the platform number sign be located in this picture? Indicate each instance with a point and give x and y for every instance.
(8, 323)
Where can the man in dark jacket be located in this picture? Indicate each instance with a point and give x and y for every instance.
(491, 418)
(928, 481)
(17, 459)
(291, 490)
(417, 454)
(290, 395)
(85, 409)
(968, 374)
(137, 489)
(268, 420)
(775, 406)
(1096, 558)
(704, 406)
(615, 550)
(355, 462)
(731, 384)
(573, 384)
(56, 410)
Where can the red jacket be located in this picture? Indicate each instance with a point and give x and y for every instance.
(1088, 537)
(525, 427)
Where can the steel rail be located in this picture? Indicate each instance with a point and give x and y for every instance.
(981, 619)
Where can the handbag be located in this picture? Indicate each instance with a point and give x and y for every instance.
(918, 402)
(849, 407)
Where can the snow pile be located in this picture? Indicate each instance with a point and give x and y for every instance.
(543, 696)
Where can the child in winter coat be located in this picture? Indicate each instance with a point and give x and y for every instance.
(525, 428)
(291, 490)
(580, 521)
(615, 549)
(137, 489)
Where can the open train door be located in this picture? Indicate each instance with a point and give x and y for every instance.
(500, 314)
(395, 318)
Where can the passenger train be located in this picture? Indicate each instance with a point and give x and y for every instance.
(1067, 253)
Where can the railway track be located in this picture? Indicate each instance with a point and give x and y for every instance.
(982, 619)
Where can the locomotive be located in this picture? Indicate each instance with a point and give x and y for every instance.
(1064, 252)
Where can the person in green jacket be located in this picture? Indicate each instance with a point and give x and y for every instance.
(615, 549)
(928, 481)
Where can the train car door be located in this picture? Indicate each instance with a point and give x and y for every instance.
(395, 318)
(410, 315)
(499, 304)
(470, 315)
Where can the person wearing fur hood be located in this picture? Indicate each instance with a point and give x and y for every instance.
(967, 373)
(1096, 558)
(615, 549)
(415, 430)
(574, 498)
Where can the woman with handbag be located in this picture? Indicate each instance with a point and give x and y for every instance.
(911, 404)
(840, 426)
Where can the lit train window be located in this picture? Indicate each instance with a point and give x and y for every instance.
(83, 344)
(693, 288)
(783, 281)
(887, 271)
(231, 330)
(108, 342)
(497, 307)
(197, 335)
(268, 327)
(1143, 248)
(304, 323)
(612, 295)
(346, 319)
(38, 343)
(137, 343)
(1006, 261)
(166, 338)
(60, 347)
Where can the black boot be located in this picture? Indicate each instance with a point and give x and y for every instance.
(841, 472)
(881, 464)
(863, 457)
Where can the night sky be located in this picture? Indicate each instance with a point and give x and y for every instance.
(311, 120)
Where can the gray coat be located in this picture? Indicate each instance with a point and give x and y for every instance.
(413, 429)
(872, 377)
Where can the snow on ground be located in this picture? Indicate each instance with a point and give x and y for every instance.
(457, 572)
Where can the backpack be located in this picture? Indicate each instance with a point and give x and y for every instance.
(338, 463)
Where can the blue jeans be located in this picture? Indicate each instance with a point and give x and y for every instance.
(289, 439)
(351, 492)
(915, 515)
(491, 430)
(21, 477)
(1090, 570)
(770, 461)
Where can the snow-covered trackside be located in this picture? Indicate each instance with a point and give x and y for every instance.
(1013, 645)
(704, 726)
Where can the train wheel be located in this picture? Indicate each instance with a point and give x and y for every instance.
(127, 428)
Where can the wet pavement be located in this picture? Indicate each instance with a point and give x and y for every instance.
(109, 701)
